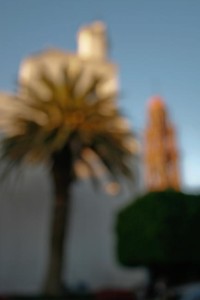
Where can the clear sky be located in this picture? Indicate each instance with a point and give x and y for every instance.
(156, 44)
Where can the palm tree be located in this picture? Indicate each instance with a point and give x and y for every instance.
(61, 115)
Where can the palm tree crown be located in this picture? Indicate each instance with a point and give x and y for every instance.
(65, 104)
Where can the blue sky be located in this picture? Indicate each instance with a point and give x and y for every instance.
(156, 44)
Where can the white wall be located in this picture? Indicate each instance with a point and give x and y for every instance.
(25, 210)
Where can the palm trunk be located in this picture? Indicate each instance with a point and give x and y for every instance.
(62, 179)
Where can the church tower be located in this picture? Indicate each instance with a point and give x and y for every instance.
(160, 151)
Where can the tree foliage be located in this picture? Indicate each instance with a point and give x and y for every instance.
(159, 228)
(65, 101)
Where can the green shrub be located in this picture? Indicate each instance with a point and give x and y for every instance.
(160, 228)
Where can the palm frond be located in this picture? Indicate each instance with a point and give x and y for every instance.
(60, 102)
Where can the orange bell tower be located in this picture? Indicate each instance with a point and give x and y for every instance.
(160, 151)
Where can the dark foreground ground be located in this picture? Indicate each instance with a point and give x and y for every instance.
(103, 295)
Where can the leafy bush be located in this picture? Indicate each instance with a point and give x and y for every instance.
(160, 228)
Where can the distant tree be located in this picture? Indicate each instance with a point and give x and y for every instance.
(62, 116)
(160, 230)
